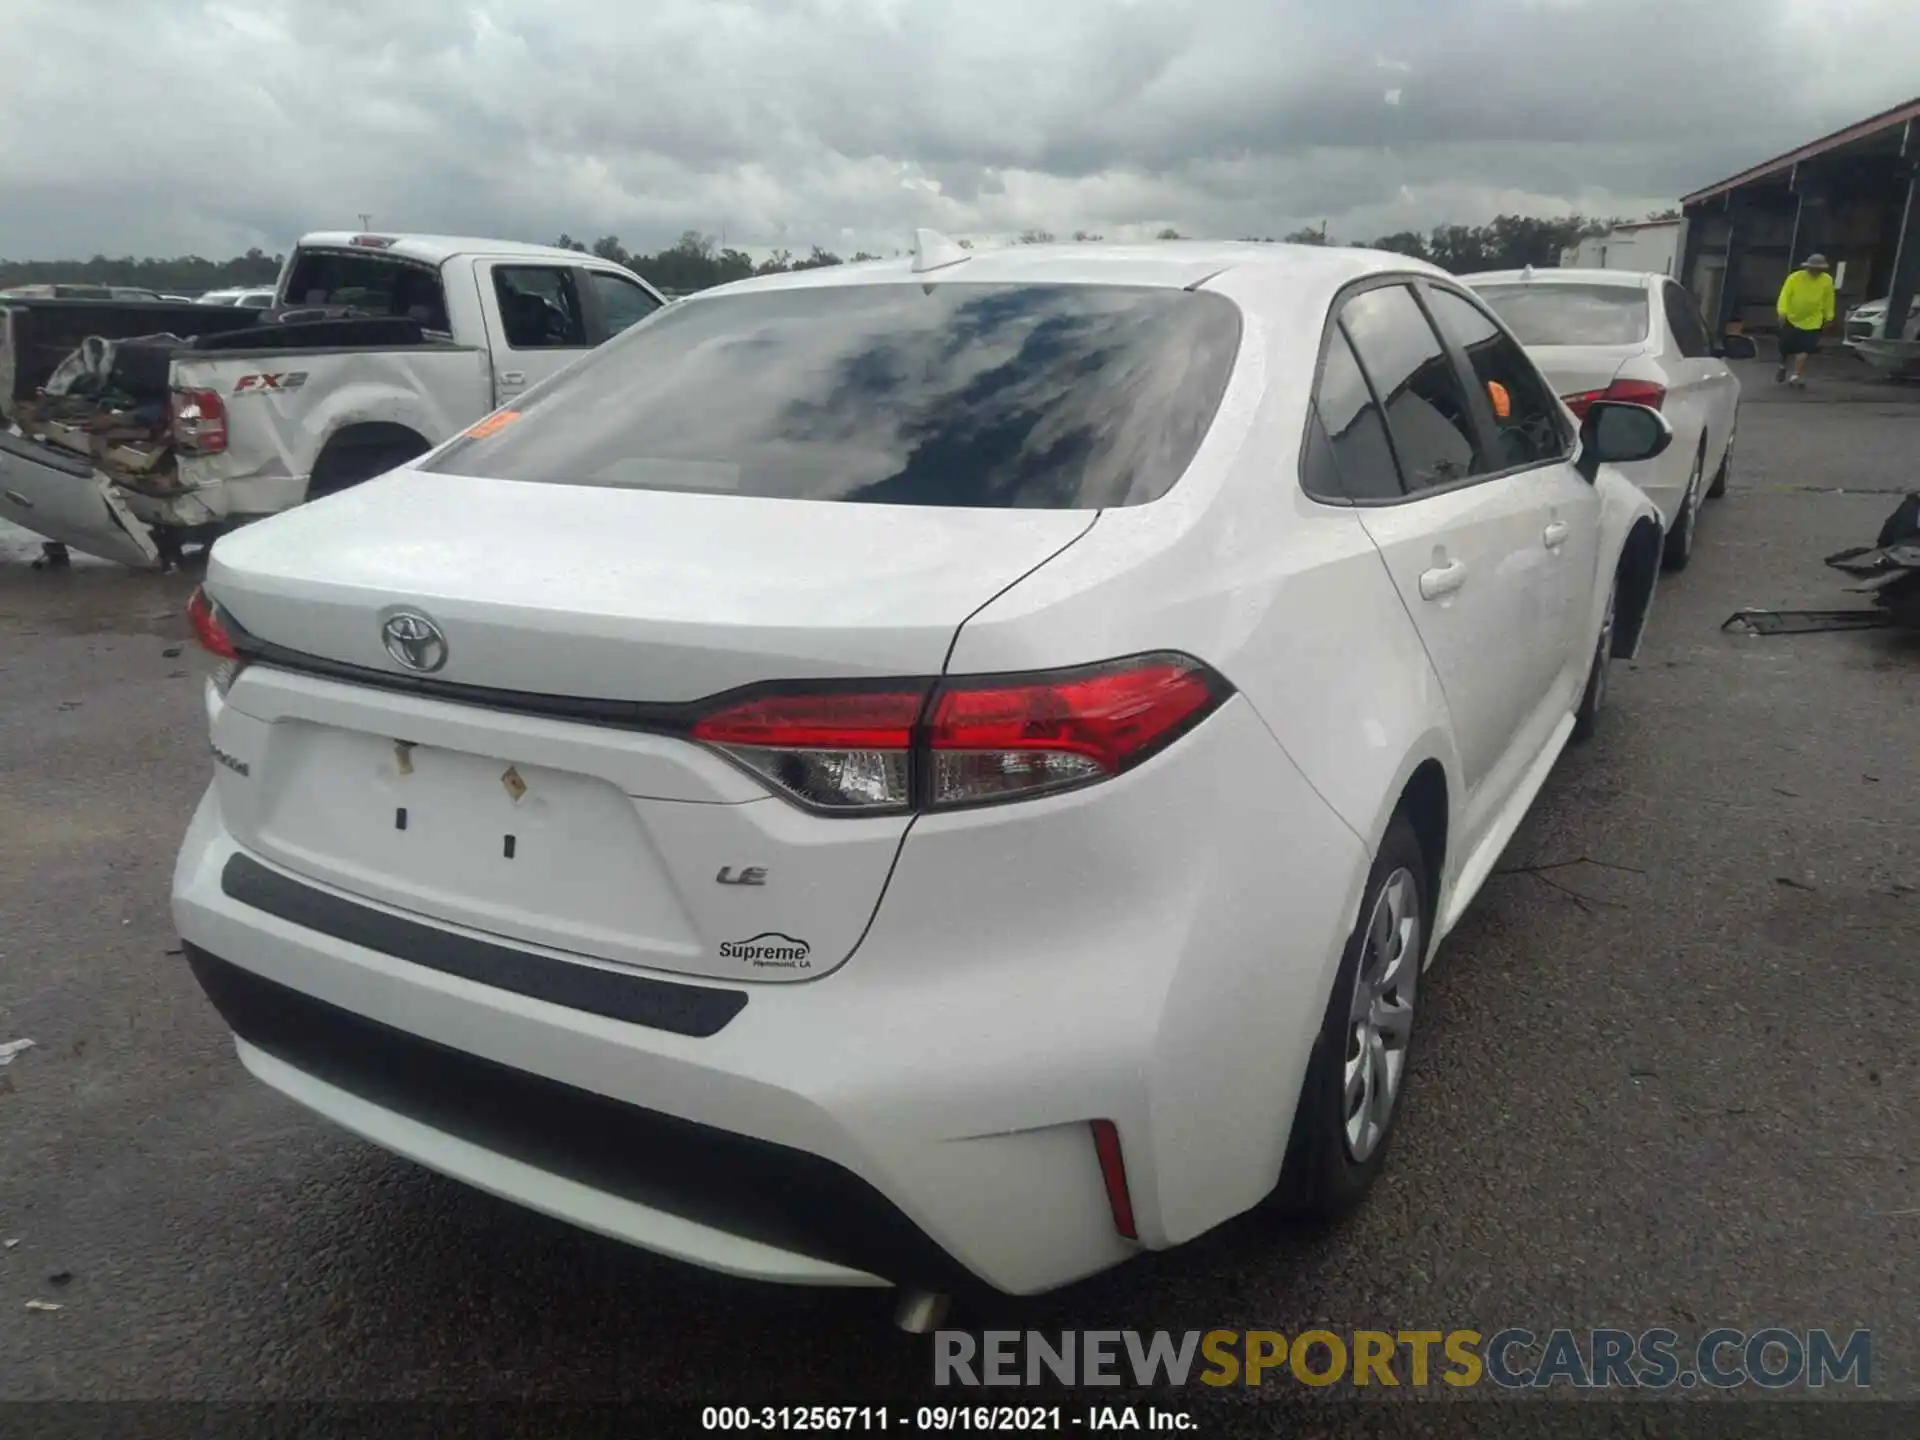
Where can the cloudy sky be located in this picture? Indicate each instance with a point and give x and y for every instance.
(177, 126)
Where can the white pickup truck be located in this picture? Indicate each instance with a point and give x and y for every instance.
(129, 430)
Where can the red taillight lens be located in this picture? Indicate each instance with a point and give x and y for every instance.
(1113, 1172)
(995, 740)
(855, 751)
(1581, 401)
(199, 421)
(1624, 392)
(840, 750)
(1637, 392)
(204, 616)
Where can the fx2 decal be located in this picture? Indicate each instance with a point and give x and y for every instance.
(285, 380)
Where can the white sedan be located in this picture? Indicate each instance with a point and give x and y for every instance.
(1620, 335)
(935, 773)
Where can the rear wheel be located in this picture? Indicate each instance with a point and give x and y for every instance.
(1357, 1073)
(1679, 549)
(1594, 698)
(350, 459)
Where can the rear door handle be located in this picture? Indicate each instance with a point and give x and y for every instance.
(1443, 580)
(1555, 534)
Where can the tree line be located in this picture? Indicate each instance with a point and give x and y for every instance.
(697, 262)
(181, 275)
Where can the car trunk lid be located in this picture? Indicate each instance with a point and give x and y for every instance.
(468, 795)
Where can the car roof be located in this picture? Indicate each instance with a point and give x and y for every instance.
(438, 249)
(1559, 275)
(1171, 264)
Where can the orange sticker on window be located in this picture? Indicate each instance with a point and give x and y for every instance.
(1502, 402)
(493, 424)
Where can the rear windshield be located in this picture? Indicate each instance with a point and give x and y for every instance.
(988, 396)
(1562, 314)
(373, 284)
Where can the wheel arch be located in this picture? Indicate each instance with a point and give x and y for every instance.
(1637, 573)
(358, 442)
(1425, 801)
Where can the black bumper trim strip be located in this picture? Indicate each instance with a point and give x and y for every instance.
(696, 1010)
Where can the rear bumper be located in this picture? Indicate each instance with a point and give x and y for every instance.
(920, 1115)
(765, 1210)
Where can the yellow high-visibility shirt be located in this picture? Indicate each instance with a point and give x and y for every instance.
(1806, 300)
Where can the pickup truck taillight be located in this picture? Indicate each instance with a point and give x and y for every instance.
(199, 421)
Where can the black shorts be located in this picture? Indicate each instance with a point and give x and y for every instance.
(1795, 341)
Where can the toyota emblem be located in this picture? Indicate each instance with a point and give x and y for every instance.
(414, 641)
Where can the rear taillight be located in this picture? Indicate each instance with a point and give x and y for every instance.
(963, 741)
(199, 421)
(1621, 392)
(993, 741)
(208, 627)
(840, 750)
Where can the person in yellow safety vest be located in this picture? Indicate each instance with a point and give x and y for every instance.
(1806, 308)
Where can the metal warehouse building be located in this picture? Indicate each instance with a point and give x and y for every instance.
(1852, 195)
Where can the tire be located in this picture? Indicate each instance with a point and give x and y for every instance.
(1723, 474)
(1593, 699)
(343, 466)
(1333, 1155)
(1678, 553)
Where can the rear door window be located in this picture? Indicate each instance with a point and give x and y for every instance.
(1526, 417)
(540, 307)
(1564, 313)
(622, 303)
(1414, 376)
(955, 394)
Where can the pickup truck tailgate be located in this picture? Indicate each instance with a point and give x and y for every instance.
(63, 497)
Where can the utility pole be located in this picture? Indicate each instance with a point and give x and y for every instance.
(366, 221)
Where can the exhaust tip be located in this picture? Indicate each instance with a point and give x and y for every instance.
(921, 1312)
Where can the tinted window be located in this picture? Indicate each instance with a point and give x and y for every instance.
(539, 307)
(622, 302)
(1414, 377)
(1683, 319)
(1039, 396)
(371, 284)
(1359, 459)
(1551, 313)
(1526, 417)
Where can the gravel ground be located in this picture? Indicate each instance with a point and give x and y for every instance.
(1668, 1081)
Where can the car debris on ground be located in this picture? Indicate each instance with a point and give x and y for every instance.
(1891, 569)
(1891, 565)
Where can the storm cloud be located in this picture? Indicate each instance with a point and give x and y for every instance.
(168, 126)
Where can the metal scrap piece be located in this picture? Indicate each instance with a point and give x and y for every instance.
(1806, 622)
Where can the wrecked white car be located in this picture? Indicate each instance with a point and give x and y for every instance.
(130, 430)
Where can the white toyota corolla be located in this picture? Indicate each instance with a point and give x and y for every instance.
(933, 773)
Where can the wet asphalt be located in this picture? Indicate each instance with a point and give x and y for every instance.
(1666, 1074)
